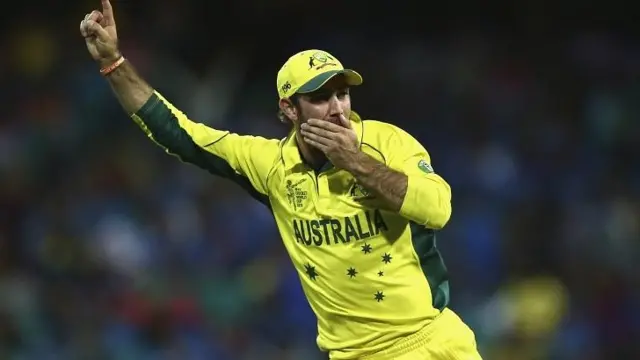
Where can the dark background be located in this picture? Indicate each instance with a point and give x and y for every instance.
(110, 249)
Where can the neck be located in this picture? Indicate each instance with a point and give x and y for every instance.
(310, 155)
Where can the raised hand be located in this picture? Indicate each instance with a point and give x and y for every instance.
(99, 31)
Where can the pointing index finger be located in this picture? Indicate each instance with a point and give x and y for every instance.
(107, 11)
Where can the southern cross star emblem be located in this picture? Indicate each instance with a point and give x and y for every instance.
(311, 271)
(366, 248)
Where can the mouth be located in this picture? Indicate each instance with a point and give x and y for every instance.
(335, 121)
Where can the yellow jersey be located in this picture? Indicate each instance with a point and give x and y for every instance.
(372, 277)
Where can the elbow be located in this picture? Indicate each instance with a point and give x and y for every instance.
(439, 215)
(441, 207)
(428, 202)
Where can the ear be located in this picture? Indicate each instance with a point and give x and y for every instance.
(289, 110)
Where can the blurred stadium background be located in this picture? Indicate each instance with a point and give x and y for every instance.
(110, 249)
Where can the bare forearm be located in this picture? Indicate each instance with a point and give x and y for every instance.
(130, 89)
(385, 183)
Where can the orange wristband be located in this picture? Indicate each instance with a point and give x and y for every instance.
(108, 69)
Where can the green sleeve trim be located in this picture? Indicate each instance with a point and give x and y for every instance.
(148, 106)
(165, 129)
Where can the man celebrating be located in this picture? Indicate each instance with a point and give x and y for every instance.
(356, 202)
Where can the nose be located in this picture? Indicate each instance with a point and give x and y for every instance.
(335, 106)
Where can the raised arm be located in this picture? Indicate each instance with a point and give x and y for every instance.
(247, 160)
(99, 31)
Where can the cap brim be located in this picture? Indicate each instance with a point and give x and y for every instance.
(352, 77)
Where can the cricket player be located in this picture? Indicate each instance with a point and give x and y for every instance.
(356, 202)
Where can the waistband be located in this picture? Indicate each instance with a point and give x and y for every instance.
(411, 342)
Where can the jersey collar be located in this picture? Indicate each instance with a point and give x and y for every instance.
(291, 154)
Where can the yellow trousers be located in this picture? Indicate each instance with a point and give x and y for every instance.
(446, 338)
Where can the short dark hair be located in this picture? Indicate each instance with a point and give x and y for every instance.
(295, 100)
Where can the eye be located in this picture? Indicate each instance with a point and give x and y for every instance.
(342, 93)
(325, 95)
(320, 96)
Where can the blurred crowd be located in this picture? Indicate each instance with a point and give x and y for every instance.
(111, 249)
